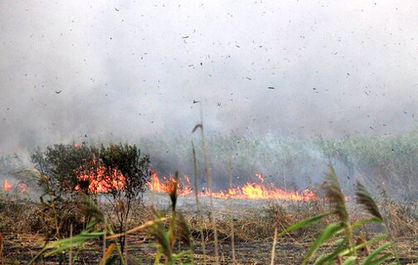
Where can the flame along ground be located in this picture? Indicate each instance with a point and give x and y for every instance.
(252, 191)
(8, 187)
(100, 180)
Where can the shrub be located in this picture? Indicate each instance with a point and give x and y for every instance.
(116, 171)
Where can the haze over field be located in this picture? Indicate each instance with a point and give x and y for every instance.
(121, 70)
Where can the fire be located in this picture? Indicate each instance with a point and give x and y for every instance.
(7, 186)
(21, 187)
(156, 185)
(252, 191)
(101, 180)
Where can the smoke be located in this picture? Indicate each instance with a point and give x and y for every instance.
(125, 70)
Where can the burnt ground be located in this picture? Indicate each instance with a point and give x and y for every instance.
(21, 248)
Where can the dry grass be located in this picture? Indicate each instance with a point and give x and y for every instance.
(24, 235)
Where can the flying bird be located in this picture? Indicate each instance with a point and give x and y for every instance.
(117, 10)
(195, 101)
(270, 87)
(58, 92)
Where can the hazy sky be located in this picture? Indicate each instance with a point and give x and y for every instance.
(125, 69)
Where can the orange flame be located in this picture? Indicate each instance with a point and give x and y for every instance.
(252, 191)
(7, 186)
(100, 180)
(156, 185)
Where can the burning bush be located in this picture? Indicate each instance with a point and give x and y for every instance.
(112, 169)
(59, 166)
(116, 171)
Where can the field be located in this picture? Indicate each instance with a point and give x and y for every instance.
(235, 221)
(252, 223)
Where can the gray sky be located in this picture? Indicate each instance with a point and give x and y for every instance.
(126, 69)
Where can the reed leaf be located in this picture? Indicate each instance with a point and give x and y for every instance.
(74, 242)
(183, 230)
(350, 260)
(382, 259)
(326, 234)
(324, 258)
(304, 223)
(370, 258)
(162, 237)
(372, 241)
(366, 221)
(90, 208)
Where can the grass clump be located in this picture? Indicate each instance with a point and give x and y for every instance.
(342, 248)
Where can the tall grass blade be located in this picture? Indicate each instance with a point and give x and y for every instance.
(210, 188)
(370, 258)
(234, 259)
(350, 260)
(342, 250)
(163, 240)
(304, 223)
(326, 258)
(326, 234)
(364, 198)
(382, 259)
(184, 231)
(366, 221)
(372, 241)
(199, 216)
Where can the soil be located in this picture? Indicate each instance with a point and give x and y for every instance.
(21, 248)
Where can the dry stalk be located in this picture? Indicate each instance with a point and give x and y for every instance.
(209, 180)
(234, 260)
(126, 247)
(199, 216)
(273, 249)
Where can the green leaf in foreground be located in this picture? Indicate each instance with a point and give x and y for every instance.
(382, 259)
(74, 242)
(366, 221)
(326, 234)
(342, 250)
(370, 258)
(304, 223)
(350, 260)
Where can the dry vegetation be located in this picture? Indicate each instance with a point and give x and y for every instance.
(83, 226)
(26, 227)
